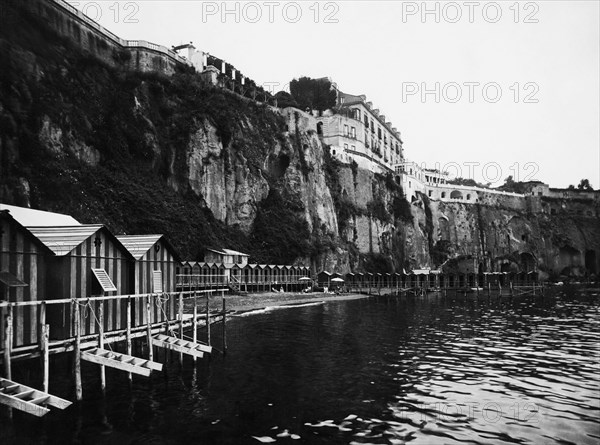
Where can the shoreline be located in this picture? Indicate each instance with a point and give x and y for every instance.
(240, 304)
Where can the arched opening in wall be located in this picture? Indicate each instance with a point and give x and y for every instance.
(444, 229)
(344, 194)
(591, 263)
(278, 165)
(456, 195)
(527, 262)
(568, 256)
(320, 128)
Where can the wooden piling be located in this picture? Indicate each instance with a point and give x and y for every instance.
(224, 326)
(8, 329)
(149, 327)
(128, 335)
(45, 354)
(77, 351)
(180, 311)
(207, 319)
(101, 344)
(195, 325)
(41, 320)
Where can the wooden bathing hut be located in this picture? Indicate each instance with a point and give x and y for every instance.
(360, 279)
(324, 279)
(196, 275)
(350, 279)
(263, 274)
(30, 217)
(154, 270)
(273, 274)
(23, 260)
(369, 279)
(235, 276)
(397, 280)
(77, 250)
(387, 279)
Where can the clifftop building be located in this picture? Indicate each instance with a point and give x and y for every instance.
(357, 131)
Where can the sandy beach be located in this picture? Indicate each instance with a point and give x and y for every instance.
(248, 302)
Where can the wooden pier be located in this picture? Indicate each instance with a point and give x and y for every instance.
(419, 285)
(93, 343)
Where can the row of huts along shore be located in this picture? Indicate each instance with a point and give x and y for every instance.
(424, 279)
(48, 256)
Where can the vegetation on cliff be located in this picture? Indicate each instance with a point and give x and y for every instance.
(110, 146)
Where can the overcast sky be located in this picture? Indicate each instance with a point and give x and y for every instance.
(541, 57)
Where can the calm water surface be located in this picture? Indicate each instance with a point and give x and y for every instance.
(377, 371)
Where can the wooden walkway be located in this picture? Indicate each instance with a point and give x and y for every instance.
(95, 347)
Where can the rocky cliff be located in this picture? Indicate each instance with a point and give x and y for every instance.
(144, 153)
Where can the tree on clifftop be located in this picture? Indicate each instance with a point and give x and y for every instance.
(315, 94)
(510, 185)
(584, 184)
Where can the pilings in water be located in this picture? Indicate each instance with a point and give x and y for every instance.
(87, 337)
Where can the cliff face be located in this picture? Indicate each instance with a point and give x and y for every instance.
(143, 153)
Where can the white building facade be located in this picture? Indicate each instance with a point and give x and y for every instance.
(358, 132)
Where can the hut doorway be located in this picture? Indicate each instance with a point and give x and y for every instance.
(591, 263)
(527, 262)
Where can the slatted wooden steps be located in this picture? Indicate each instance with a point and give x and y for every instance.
(121, 361)
(28, 399)
(184, 346)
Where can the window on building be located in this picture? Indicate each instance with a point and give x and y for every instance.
(346, 146)
(353, 132)
(409, 184)
(357, 114)
(353, 147)
(468, 197)
(443, 194)
(379, 132)
(345, 130)
(430, 193)
(333, 152)
(372, 126)
(367, 121)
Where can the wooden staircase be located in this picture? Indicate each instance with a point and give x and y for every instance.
(234, 284)
(29, 400)
(183, 346)
(121, 361)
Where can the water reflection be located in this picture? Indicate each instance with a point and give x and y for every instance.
(382, 371)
